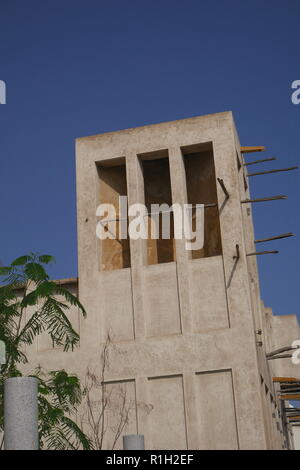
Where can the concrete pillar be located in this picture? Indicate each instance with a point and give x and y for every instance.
(134, 442)
(21, 414)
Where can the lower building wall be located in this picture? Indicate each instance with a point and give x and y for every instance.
(206, 394)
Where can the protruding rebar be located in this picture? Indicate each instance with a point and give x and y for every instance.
(263, 199)
(277, 237)
(260, 161)
(271, 252)
(221, 182)
(273, 171)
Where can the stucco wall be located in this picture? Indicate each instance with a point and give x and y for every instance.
(184, 332)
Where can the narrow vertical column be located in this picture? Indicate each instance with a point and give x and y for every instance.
(191, 409)
(21, 414)
(137, 247)
(179, 196)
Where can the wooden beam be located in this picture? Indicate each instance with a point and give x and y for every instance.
(277, 237)
(273, 171)
(290, 389)
(263, 199)
(285, 379)
(279, 356)
(271, 252)
(281, 350)
(290, 397)
(260, 161)
(259, 148)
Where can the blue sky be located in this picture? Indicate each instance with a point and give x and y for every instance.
(75, 68)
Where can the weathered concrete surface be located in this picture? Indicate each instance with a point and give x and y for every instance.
(183, 332)
(21, 414)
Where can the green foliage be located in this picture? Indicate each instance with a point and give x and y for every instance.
(59, 396)
(25, 285)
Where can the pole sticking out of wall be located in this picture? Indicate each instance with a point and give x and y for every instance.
(277, 237)
(221, 182)
(237, 256)
(271, 252)
(280, 356)
(263, 199)
(281, 350)
(259, 148)
(273, 171)
(260, 161)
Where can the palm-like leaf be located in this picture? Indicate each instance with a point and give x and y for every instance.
(33, 328)
(27, 284)
(60, 394)
(58, 325)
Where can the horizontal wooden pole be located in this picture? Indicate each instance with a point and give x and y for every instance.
(295, 389)
(290, 397)
(273, 171)
(281, 350)
(263, 199)
(276, 237)
(271, 252)
(260, 161)
(259, 148)
(279, 356)
(285, 379)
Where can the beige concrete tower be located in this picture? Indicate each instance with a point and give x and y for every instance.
(184, 322)
(184, 325)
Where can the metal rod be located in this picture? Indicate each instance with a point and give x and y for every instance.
(263, 199)
(221, 182)
(280, 350)
(281, 356)
(284, 379)
(277, 237)
(273, 171)
(263, 253)
(289, 390)
(260, 161)
(290, 386)
(295, 397)
(237, 256)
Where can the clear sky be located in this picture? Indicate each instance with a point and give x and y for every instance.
(75, 68)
